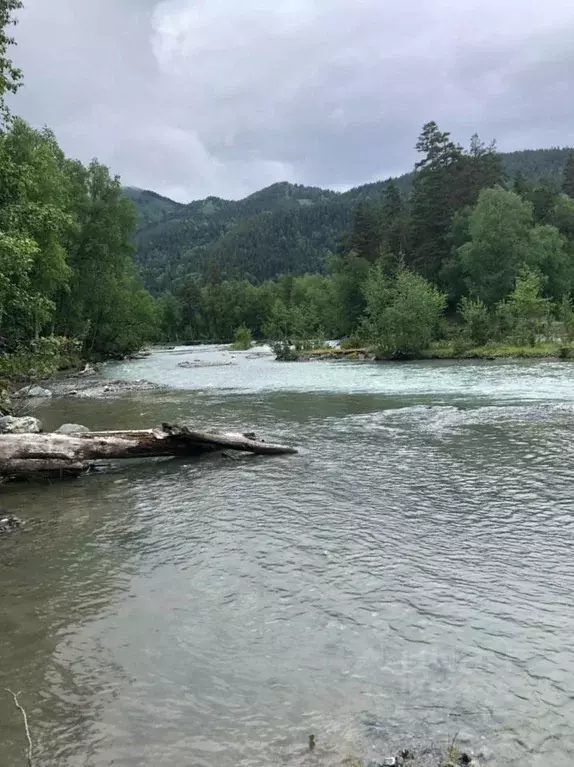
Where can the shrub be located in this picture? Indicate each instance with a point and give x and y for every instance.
(476, 319)
(40, 359)
(243, 339)
(529, 310)
(566, 316)
(284, 352)
(403, 315)
(352, 342)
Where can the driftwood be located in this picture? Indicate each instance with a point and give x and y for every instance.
(28, 454)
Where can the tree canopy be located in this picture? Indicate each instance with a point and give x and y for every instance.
(66, 242)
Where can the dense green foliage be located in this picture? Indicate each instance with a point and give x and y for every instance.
(291, 229)
(243, 339)
(284, 228)
(536, 165)
(66, 258)
(467, 259)
(403, 313)
(568, 177)
(68, 283)
(10, 75)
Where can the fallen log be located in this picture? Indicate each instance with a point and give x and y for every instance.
(29, 454)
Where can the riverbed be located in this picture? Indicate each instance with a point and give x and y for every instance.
(407, 577)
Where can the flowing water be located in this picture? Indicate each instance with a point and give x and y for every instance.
(409, 575)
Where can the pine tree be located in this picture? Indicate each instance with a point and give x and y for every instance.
(436, 145)
(479, 168)
(393, 225)
(365, 238)
(432, 203)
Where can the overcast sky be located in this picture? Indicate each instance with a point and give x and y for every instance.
(199, 97)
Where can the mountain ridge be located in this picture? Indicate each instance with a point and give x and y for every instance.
(282, 228)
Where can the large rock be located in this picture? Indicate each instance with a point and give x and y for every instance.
(28, 425)
(72, 428)
(33, 391)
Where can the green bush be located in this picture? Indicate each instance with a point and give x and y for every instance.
(354, 341)
(403, 315)
(529, 309)
(461, 343)
(566, 316)
(40, 359)
(284, 352)
(476, 319)
(243, 339)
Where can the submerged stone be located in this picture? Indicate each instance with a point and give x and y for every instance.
(72, 428)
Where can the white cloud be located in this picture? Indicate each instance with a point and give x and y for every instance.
(198, 97)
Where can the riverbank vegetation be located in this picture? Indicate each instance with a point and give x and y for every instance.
(69, 288)
(470, 264)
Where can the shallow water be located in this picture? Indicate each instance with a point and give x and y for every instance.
(407, 576)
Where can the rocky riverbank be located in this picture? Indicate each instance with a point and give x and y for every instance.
(85, 384)
(99, 389)
(336, 354)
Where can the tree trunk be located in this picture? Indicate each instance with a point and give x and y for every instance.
(28, 454)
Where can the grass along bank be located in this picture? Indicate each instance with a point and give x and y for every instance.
(439, 351)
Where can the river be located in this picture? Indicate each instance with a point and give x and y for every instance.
(407, 576)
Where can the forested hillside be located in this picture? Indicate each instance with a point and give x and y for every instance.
(278, 222)
(152, 208)
(285, 228)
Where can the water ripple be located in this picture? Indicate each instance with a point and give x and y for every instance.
(409, 572)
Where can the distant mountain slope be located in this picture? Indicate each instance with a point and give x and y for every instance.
(240, 236)
(152, 207)
(537, 164)
(285, 228)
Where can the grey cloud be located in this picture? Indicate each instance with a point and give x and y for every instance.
(197, 97)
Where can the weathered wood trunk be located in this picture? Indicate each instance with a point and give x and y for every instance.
(27, 454)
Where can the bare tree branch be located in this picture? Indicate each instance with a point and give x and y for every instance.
(25, 717)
